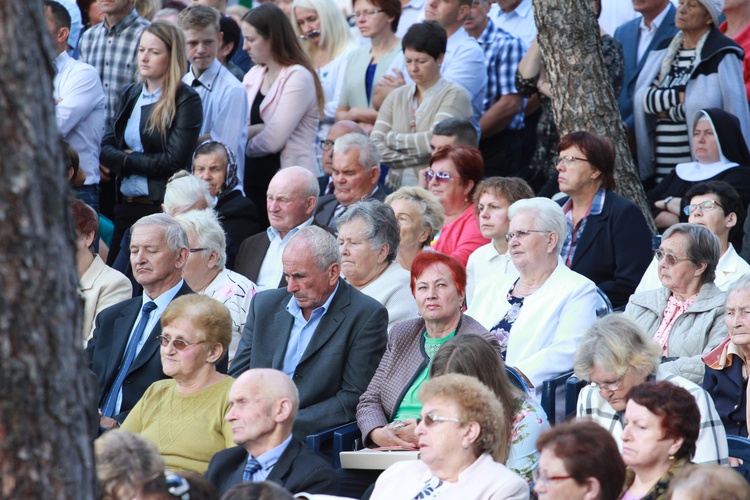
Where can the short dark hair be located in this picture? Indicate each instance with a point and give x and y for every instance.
(510, 188)
(463, 131)
(391, 8)
(466, 160)
(679, 413)
(232, 34)
(71, 160)
(729, 199)
(599, 152)
(59, 13)
(427, 37)
(587, 450)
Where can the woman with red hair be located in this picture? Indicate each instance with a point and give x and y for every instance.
(454, 173)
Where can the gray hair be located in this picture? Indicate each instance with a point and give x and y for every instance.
(322, 245)
(430, 209)
(174, 234)
(369, 157)
(184, 192)
(741, 284)
(205, 227)
(124, 461)
(549, 217)
(615, 343)
(461, 130)
(306, 181)
(703, 247)
(382, 226)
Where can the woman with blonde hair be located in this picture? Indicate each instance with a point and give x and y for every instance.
(327, 39)
(155, 130)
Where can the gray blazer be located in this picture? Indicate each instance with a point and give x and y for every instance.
(338, 363)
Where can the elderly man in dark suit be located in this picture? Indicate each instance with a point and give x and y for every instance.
(124, 352)
(264, 406)
(291, 199)
(356, 170)
(639, 37)
(322, 332)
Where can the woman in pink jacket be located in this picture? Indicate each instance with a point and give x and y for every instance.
(285, 99)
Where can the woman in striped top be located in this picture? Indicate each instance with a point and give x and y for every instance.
(699, 68)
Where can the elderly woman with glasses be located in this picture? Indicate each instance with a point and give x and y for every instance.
(579, 461)
(686, 315)
(615, 355)
(205, 270)
(368, 237)
(454, 174)
(184, 415)
(459, 433)
(608, 240)
(539, 315)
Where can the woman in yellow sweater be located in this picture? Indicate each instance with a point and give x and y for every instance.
(184, 415)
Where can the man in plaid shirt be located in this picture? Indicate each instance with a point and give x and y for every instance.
(111, 47)
(502, 121)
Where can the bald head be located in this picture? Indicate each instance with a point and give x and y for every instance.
(338, 129)
(264, 404)
(291, 198)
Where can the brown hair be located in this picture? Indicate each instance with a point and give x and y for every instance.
(391, 8)
(465, 159)
(208, 316)
(599, 152)
(511, 189)
(87, 220)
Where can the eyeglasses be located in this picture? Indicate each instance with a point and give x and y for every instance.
(365, 13)
(521, 234)
(610, 386)
(326, 145)
(178, 344)
(545, 479)
(193, 250)
(704, 205)
(177, 486)
(431, 419)
(566, 161)
(671, 259)
(439, 176)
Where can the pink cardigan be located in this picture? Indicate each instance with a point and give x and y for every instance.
(290, 112)
(461, 237)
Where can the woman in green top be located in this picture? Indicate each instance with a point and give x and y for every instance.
(387, 410)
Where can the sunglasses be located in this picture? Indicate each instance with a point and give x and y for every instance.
(431, 419)
(439, 176)
(179, 344)
(671, 259)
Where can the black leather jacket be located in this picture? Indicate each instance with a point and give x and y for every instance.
(163, 154)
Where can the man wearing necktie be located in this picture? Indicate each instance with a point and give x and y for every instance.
(264, 404)
(123, 352)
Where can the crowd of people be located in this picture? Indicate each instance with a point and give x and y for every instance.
(298, 215)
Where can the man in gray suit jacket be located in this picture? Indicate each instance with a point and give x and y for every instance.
(322, 332)
(356, 170)
(641, 36)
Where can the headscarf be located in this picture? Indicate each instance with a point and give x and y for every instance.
(231, 180)
(733, 151)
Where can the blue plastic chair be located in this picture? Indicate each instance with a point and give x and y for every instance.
(739, 447)
(315, 441)
(549, 390)
(603, 304)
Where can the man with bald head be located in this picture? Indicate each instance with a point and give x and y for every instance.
(337, 130)
(263, 405)
(290, 200)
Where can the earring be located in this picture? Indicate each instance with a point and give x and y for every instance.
(671, 458)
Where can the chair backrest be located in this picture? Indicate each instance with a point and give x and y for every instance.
(739, 447)
(549, 391)
(517, 379)
(603, 304)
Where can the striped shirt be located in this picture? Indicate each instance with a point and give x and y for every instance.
(576, 230)
(112, 51)
(711, 446)
(672, 145)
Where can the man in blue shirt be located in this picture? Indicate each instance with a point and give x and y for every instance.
(502, 121)
(264, 405)
(324, 333)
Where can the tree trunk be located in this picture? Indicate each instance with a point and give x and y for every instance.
(45, 438)
(582, 95)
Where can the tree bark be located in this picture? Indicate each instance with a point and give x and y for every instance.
(45, 438)
(582, 95)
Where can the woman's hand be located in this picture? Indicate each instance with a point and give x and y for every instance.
(254, 130)
(386, 436)
(408, 431)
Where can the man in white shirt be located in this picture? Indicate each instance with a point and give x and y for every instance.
(291, 200)
(412, 11)
(79, 103)
(516, 17)
(225, 108)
